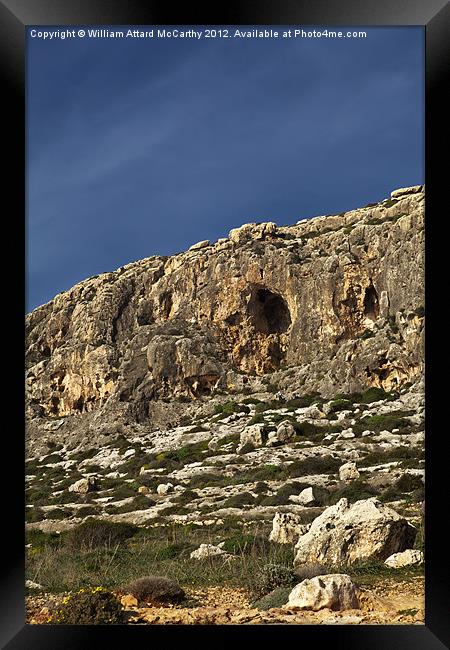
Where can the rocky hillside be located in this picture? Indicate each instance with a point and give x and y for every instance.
(245, 419)
(330, 304)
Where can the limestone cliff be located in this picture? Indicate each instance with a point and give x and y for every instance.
(330, 304)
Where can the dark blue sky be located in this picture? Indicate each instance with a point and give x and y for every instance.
(143, 147)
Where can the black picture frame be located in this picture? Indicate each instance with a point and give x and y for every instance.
(434, 16)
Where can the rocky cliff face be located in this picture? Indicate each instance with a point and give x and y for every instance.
(329, 304)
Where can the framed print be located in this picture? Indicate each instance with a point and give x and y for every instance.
(231, 228)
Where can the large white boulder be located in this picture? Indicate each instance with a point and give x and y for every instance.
(346, 533)
(255, 435)
(335, 591)
(164, 488)
(305, 498)
(286, 528)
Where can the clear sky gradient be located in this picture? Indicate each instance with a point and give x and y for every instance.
(143, 147)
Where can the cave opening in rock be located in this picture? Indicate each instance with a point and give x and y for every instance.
(371, 305)
(268, 312)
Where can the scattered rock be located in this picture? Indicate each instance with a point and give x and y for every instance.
(286, 528)
(129, 602)
(305, 498)
(29, 584)
(348, 472)
(406, 558)
(333, 591)
(285, 431)
(204, 551)
(84, 485)
(256, 435)
(164, 488)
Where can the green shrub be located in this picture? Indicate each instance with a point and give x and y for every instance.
(34, 514)
(140, 502)
(228, 408)
(311, 570)
(155, 590)
(38, 539)
(258, 418)
(239, 500)
(52, 458)
(408, 483)
(354, 492)
(375, 394)
(97, 533)
(95, 606)
(57, 513)
(244, 544)
(402, 453)
(261, 487)
(276, 598)
(185, 497)
(39, 495)
(307, 429)
(313, 465)
(171, 551)
(273, 500)
(265, 473)
(288, 489)
(340, 405)
(305, 400)
(385, 422)
(272, 576)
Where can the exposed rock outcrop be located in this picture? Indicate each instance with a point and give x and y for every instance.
(330, 303)
(346, 533)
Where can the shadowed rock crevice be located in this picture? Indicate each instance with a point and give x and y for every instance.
(371, 304)
(268, 312)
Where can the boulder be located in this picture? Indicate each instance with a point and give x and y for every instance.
(286, 528)
(285, 431)
(205, 551)
(199, 245)
(334, 591)
(143, 489)
(346, 434)
(408, 557)
(84, 485)
(252, 231)
(402, 191)
(255, 434)
(305, 498)
(348, 472)
(164, 488)
(345, 533)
